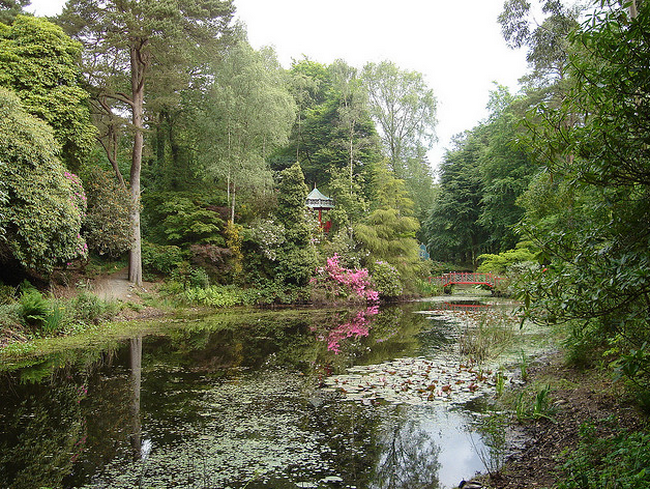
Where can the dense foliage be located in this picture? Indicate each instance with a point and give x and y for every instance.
(589, 213)
(481, 179)
(107, 224)
(41, 65)
(45, 205)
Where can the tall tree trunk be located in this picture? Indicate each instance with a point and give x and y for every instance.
(633, 9)
(351, 155)
(137, 87)
(232, 202)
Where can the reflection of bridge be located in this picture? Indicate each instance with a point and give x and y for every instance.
(465, 278)
(460, 306)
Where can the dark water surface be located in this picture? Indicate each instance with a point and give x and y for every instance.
(235, 401)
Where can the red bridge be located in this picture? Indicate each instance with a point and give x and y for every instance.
(466, 278)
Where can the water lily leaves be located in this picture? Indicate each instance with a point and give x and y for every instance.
(413, 381)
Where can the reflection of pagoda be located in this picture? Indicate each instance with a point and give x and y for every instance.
(320, 203)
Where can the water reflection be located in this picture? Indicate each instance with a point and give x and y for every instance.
(140, 449)
(409, 457)
(230, 402)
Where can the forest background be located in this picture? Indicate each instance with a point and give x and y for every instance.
(154, 129)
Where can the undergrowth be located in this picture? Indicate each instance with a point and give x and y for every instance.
(619, 461)
(33, 314)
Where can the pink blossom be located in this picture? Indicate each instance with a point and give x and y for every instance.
(356, 281)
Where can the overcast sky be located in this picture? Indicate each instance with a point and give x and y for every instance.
(456, 45)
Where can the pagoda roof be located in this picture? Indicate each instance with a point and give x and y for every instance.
(316, 200)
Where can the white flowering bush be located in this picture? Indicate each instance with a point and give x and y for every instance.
(268, 235)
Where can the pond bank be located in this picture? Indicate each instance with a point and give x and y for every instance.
(577, 397)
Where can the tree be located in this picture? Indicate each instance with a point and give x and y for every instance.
(107, 227)
(124, 43)
(453, 228)
(505, 169)
(9, 9)
(297, 257)
(405, 110)
(247, 113)
(388, 234)
(353, 111)
(595, 191)
(44, 206)
(546, 40)
(333, 133)
(40, 63)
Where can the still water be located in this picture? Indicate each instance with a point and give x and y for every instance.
(284, 399)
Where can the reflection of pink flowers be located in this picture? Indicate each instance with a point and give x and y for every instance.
(357, 327)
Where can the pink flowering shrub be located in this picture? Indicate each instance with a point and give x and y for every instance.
(340, 282)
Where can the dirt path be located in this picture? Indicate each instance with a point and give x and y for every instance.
(116, 286)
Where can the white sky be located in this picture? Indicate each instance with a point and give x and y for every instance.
(456, 45)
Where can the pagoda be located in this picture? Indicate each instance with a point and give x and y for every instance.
(319, 202)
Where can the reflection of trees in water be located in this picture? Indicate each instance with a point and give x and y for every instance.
(408, 456)
(380, 447)
(349, 430)
(136, 386)
(106, 425)
(42, 431)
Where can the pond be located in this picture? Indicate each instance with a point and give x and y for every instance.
(373, 398)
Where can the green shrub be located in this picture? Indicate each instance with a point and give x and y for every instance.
(183, 217)
(618, 461)
(56, 317)
(198, 277)
(9, 315)
(583, 344)
(428, 289)
(385, 278)
(161, 259)
(87, 308)
(107, 226)
(218, 296)
(43, 215)
(34, 308)
(7, 294)
(503, 261)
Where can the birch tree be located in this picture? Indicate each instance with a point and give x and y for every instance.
(247, 113)
(405, 109)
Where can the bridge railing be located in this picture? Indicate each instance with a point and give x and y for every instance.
(466, 278)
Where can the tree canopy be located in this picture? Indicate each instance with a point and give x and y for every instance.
(40, 63)
(127, 45)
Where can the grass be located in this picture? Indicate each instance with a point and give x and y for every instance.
(487, 336)
(535, 404)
